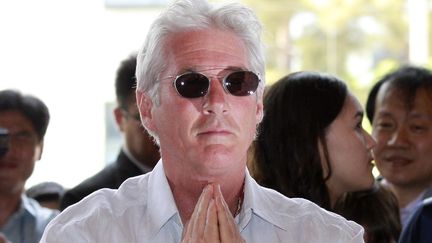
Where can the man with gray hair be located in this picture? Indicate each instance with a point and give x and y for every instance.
(200, 85)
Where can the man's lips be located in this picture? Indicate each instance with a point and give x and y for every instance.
(215, 132)
(398, 160)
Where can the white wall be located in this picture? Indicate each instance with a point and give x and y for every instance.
(66, 53)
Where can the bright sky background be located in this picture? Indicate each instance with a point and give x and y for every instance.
(67, 53)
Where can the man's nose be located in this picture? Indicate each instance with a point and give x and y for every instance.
(215, 101)
(399, 137)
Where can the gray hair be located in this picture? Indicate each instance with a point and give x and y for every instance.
(187, 15)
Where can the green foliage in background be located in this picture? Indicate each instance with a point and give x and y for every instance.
(356, 40)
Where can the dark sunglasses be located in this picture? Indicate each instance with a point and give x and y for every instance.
(237, 83)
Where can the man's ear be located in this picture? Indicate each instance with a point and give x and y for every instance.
(118, 115)
(39, 150)
(145, 106)
(259, 111)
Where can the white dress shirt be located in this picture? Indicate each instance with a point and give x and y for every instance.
(143, 210)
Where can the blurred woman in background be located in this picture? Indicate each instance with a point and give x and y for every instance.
(311, 142)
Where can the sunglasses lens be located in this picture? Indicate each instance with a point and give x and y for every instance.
(192, 85)
(242, 83)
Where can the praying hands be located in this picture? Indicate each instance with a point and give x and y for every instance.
(211, 220)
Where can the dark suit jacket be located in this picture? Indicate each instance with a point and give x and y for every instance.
(419, 228)
(112, 176)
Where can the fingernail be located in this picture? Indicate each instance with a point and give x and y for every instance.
(207, 187)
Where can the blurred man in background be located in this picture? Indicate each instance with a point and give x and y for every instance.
(24, 120)
(139, 153)
(399, 107)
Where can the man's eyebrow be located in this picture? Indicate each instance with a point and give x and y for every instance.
(418, 115)
(384, 114)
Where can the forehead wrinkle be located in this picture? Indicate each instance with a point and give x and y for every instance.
(198, 68)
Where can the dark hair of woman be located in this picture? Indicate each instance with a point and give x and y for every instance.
(377, 210)
(286, 155)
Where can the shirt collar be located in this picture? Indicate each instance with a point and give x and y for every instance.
(25, 210)
(410, 207)
(257, 203)
(162, 204)
(26, 206)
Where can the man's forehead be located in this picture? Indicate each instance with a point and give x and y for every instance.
(203, 68)
(392, 94)
(209, 46)
(393, 99)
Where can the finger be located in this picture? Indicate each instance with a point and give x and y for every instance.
(227, 226)
(228, 231)
(186, 230)
(211, 231)
(196, 224)
(202, 208)
(221, 204)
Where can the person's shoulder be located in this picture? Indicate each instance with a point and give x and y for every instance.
(301, 213)
(417, 228)
(428, 193)
(129, 193)
(102, 211)
(110, 201)
(102, 179)
(41, 214)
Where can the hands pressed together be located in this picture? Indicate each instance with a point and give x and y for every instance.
(211, 220)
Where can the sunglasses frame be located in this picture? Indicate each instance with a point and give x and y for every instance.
(224, 82)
